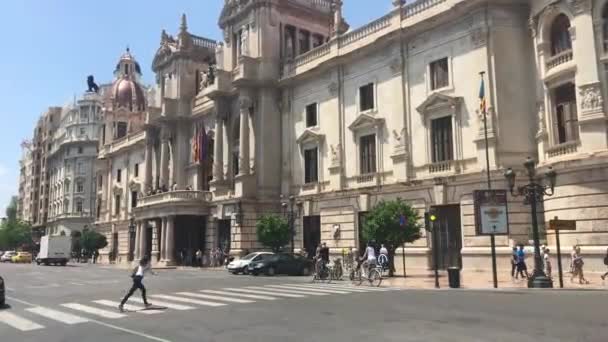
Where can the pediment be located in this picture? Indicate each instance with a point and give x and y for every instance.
(438, 101)
(365, 121)
(310, 136)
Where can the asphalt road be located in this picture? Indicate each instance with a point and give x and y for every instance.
(77, 303)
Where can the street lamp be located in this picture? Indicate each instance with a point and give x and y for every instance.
(533, 192)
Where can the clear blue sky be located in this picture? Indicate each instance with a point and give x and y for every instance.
(50, 46)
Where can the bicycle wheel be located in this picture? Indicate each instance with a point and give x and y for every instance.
(356, 278)
(325, 275)
(375, 278)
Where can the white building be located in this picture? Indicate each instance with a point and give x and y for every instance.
(299, 106)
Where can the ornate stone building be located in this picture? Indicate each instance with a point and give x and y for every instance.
(293, 103)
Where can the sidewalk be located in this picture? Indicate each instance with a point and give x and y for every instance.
(420, 279)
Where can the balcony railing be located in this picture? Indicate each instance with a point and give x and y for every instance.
(445, 166)
(419, 7)
(178, 196)
(366, 178)
(204, 42)
(560, 58)
(563, 149)
(310, 187)
(365, 31)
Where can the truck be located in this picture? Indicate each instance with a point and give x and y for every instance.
(54, 250)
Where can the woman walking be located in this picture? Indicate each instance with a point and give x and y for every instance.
(138, 277)
(605, 263)
(577, 264)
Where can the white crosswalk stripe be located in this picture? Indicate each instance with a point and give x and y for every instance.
(303, 288)
(265, 292)
(339, 288)
(298, 292)
(18, 322)
(188, 300)
(128, 307)
(167, 305)
(93, 311)
(243, 295)
(220, 298)
(365, 287)
(289, 289)
(58, 316)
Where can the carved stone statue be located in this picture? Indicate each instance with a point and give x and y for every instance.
(93, 87)
(211, 74)
(399, 137)
(591, 98)
(289, 47)
(204, 79)
(245, 41)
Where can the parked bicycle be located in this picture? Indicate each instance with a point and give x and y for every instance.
(336, 271)
(322, 273)
(360, 273)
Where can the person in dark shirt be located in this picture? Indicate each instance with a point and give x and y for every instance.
(324, 252)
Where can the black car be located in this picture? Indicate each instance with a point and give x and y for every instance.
(282, 264)
(2, 291)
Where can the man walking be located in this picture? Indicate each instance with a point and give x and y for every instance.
(138, 277)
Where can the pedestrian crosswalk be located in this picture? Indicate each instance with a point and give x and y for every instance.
(39, 317)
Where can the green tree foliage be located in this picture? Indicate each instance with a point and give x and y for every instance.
(392, 223)
(14, 234)
(273, 231)
(91, 240)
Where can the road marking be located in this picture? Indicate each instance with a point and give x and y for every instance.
(302, 288)
(17, 322)
(265, 292)
(129, 307)
(188, 300)
(165, 304)
(78, 284)
(346, 287)
(298, 292)
(220, 298)
(340, 288)
(94, 311)
(57, 315)
(239, 295)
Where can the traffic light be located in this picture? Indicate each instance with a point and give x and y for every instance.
(429, 218)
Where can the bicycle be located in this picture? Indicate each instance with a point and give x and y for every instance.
(322, 272)
(374, 277)
(336, 271)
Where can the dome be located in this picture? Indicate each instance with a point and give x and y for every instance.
(128, 94)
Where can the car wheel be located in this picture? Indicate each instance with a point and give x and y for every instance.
(306, 271)
(270, 271)
(245, 271)
(255, 273)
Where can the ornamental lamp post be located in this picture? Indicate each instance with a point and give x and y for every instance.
(533, 193)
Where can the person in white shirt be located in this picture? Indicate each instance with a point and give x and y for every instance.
(383, 257)
(369, 257)
(547, 259)
(138, 277)
(383, 250)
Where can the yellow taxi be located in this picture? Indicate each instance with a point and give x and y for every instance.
(22, 257)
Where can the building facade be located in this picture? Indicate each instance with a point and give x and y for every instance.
(71, 162)
(293, 105)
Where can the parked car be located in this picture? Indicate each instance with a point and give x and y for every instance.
(282, 264)
(22, 257)
(240, 266)
(2, 293)
(7, 256)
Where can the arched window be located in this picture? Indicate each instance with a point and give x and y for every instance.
(605, 27)
(560, 35)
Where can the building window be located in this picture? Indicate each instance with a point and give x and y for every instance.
(116, 204)
(136, 170)
(311, 115)
(82, 131)
(79, 186)
(79, 206)
(311, 165)
(79, 168)
(366, 97)
(118, 175)
(560, 35)
(566, 120)
(290, 42)
(126, 69)
(100, 181)
(98, 212)
(317, 40)
(66, 206)
(440, 77)
(304, 41)
(83, 114)
(441, 139)
(367, 154)
(133, 199)
(103, 134)
(66, 187)
(121, 130)
(605, 27)
(80, 149)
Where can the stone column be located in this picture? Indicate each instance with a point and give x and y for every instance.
(164, 159)
(155, 246)
(144, 232)
(244, 168)
(218, 150)
(148, 156)
(252, 125)
(170, 240)
(137, 242)
(163, 238)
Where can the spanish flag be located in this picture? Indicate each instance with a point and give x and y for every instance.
(482, 97)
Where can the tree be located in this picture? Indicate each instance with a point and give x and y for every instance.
(91, 240)
(273, 232)
(392, 223)
(15, 234)
(11, 210)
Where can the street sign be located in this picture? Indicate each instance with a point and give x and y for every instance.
(491, 215)
(562, 225)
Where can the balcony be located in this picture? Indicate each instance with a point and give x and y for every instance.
(220, 85)
(180, 197)
(246, 71)
(559, 59)
(562, 149)
(441, 167)
(121, 143)
(309, 188)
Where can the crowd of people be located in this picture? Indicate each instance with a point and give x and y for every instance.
(163, 188)
(215, 257)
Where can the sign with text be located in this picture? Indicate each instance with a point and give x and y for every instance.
(491, 215)
(562, 225)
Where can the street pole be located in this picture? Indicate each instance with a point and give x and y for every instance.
(493, 235)
(559, 258)
(539, 279)
(403, 260)
(292, 223)
(435, 254)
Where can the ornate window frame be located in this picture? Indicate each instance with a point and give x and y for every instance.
(309, 139)
(366, 124)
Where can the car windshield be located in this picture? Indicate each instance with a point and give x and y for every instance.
(249, 256)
